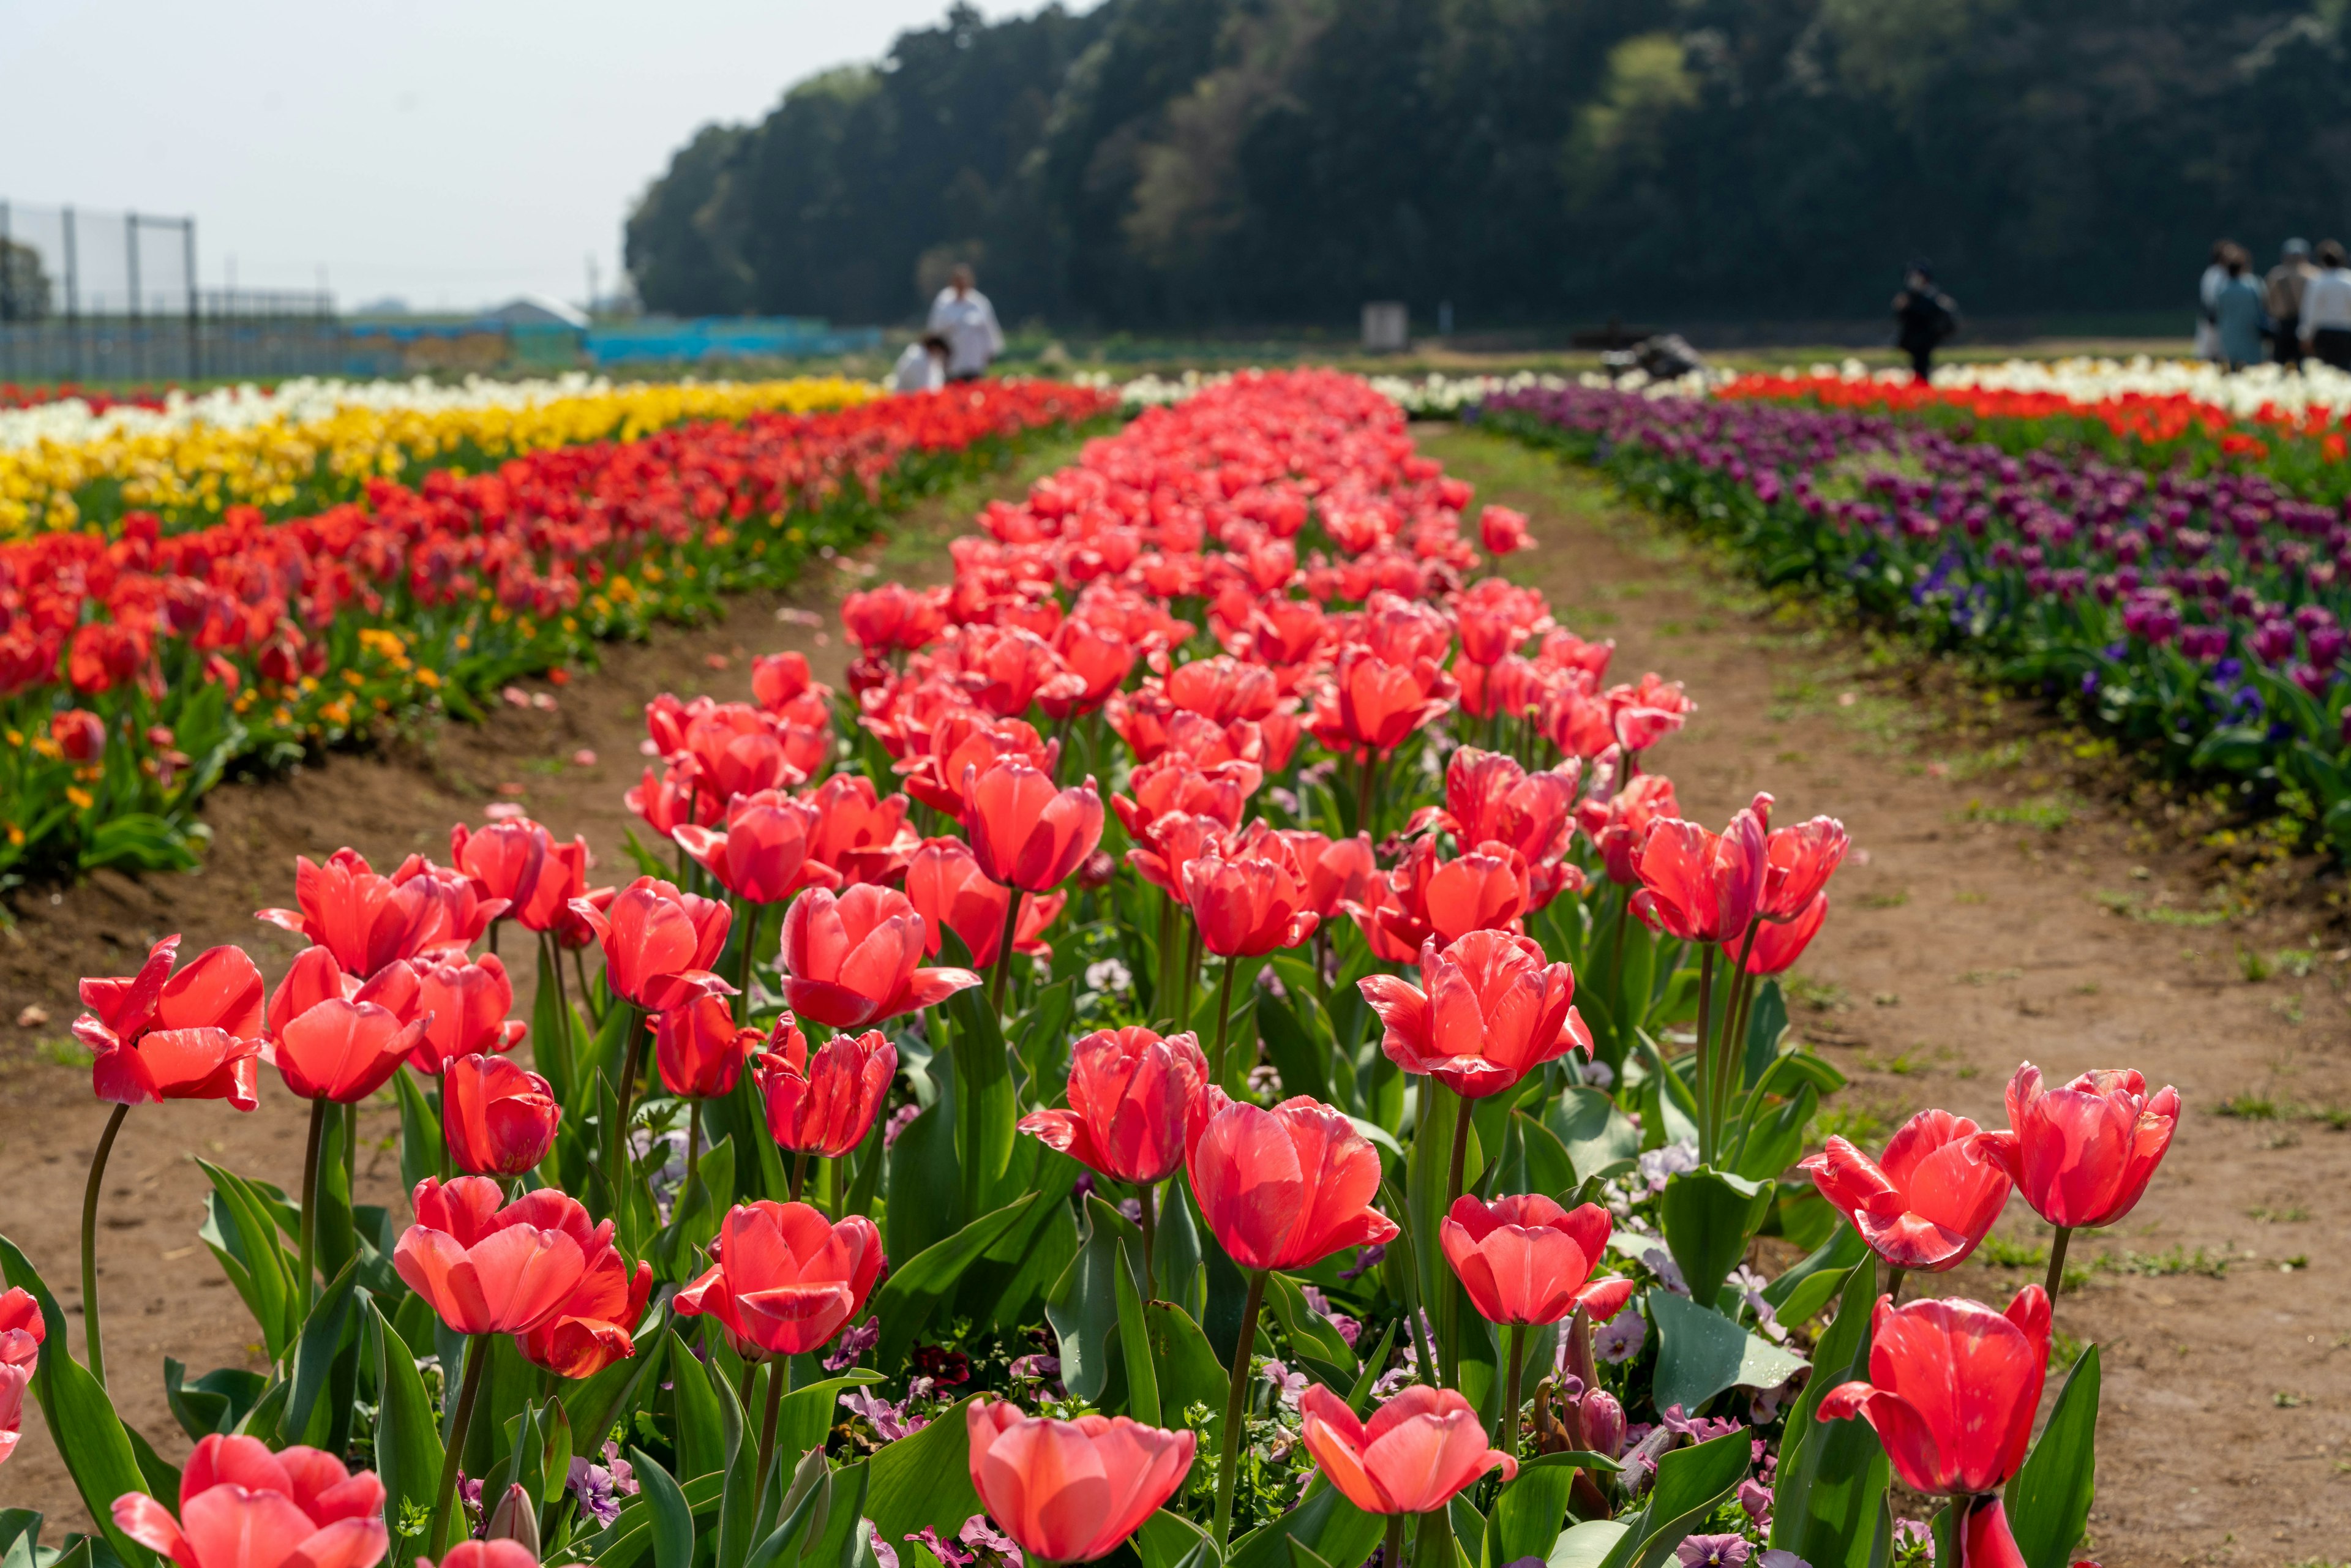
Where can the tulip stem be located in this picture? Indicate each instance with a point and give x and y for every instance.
(1366, 799)
(587, 995)
(1506, 1420)
(310, 1195)
(775, 1370)
(1163, 999)
(1451, 1325)
(693, 1145)
(1003, 970)
(551, 954)
(93, 1344)
(617, 1174)
(478, 1358)
(750, 931)
(1392, 1542)
(2057, 1263)
(1236, 1409)
(1150, 1236)
(1894, 1286)
(1224, 1022)
(800, 1172)
(1733, 1074)
(350, 1152)
(1705, 1055)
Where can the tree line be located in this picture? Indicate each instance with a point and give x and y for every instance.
(1156, 164)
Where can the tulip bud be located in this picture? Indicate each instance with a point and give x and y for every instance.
(516, 1520)
(1097, 870)
(1604, 1423)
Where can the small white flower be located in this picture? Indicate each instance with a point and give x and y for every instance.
(1109, 978)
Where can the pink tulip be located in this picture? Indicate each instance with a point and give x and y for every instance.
(1070, 1492)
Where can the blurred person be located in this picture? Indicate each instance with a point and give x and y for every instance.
(2282, 294)
(962, 315)
(1924, 315)
(2326, 324)
(922, 367)
(2237, 312)
(2208, 295)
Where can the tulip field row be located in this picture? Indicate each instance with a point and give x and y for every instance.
(2195, 609)
(1220, 1044)
(139, 663)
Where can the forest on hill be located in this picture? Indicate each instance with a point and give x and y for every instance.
(1148, 164)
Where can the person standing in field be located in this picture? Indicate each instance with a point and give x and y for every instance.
(2284, 290)
(1924, 315)
(922, 367)
(962, 315)
(2208, 296)
(2237, 313)
(2326, 309)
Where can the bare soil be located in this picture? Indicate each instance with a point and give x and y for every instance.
(2012, 896)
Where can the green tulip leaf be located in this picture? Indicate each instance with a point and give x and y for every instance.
(2049, 1500)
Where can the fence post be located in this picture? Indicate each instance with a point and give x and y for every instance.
(7, 300)
(73, 301)
(137, 332)
(195, 328)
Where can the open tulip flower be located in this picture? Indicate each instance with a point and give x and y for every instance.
(596, 1324)
(658, 944)
(1487, 1011)
(1130, 1093)
(503, 858)
(861, 833)
(853, 959)
(1953, 1389)
(1286, 1187)
(21, 1334)
(2082, 1152)
(1702, 887)
(824, 1104)
(497, 1118)
(486, 1266)
(787, 1279)
(1773, 947)
(762, 855)
(1070, 1492)
(242, 1506)
(486, 1554)
(343, 1051)
(1024, 833)
(1800, 862)
(364, 918)
(699, 1050)
(1524, 1259)
(1928, 1204)
(1618, 823)
(949, 889)
(193, 1035)
(1249, 904)
(1418, 1451)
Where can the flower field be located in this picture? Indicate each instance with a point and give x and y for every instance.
(140, 662)
(2186, 592)
(1217, 1045)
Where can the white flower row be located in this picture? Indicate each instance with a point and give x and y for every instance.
(2318, 389)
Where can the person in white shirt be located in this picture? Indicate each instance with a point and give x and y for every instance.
(2327, 307)
(922, 367)
(962, 315)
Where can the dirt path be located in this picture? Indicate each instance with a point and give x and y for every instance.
(1991, 915)
(162, 1294)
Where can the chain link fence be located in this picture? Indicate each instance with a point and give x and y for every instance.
(103, 297)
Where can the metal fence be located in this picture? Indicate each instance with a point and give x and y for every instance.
(113, 296)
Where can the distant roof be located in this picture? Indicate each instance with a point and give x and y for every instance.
(536, 311)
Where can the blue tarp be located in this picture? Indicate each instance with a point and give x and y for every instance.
(726, 338)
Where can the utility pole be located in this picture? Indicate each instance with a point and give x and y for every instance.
(591, 285)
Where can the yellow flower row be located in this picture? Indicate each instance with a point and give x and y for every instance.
(190, 471)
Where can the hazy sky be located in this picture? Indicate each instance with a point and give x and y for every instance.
(449, 152)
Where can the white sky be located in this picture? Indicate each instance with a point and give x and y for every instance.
(453, 153)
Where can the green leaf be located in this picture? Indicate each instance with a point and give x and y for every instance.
(906, 1300)
(672, 1520)
(1167, 1540)
(592, 1403)
(1134, 1342)
(213, 1403)
(420, 1131)
(701, 1427)
(1708, 1218)
(1585, 1545)
(1793, 1300)
(1325, 1523)
(923, 1480)
(1296, 1055)
(1772, 1138)
(1190, 1373)
(983, 1098)
(806, 1414)
(1082, 1306)
(1527, 1513)
(1833, 1475)
(1700, 1352)
(1691, 1484)
(925, 1178)
(323, 1334)
(1042, 1036)
(89, 1436)
(2049, 1500)
(1175, 1257)
(1599, 1138)
(243, 1233)
(1309, 1332)
(1767, 1020)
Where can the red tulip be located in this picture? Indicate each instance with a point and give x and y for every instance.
(499, 1554)
(343, 1051)
(894, 616)
(1488, 796)
(1417, 1452)
(1101, 657)
(1070, 1492)
(1702, 887)
(460, 913)
(1641, 715)
(1222, 688)
(21, 1334)
(658, 944)
(1485, 889)
(365, 920)
(2082, 1155)
(80, 734)
(945, 884)
(464, 1007)
(824, 1106)
(194, 1035)
(596, 1324)
(1985, 1539)
(497, 1118)
(485, 1265)
(242, 1506)
(1503, 530)
(1953, 1389)
(1375, 706)
(738, 751)
(1171, 844)
(860, 833)
(669, 800)
(777, 679)
(698, 1047)
(786, 1279)
(1487, 1012)
(562, 877)
(504, 858)
(1779, 943)
(763, 853)
(1286, 1187)
(1619, 825)
(1524, 1259)
(1338, 870)
(1929, 1204)
(1174, 784)
(851, 960)
(314, 976)
(1801, 861)
(1024, 833)
(1130, 1093)
(1250, 903)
